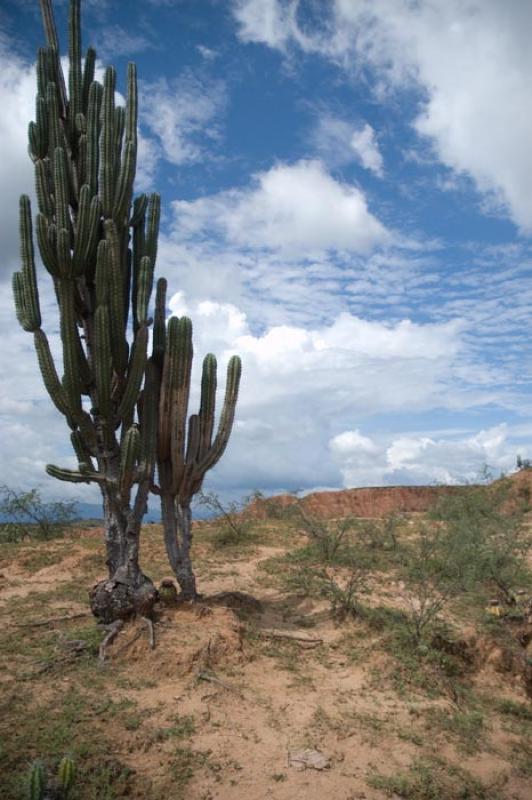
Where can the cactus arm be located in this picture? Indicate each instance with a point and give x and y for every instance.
(148, 417)
(207, 403)
(234, 371)
(144, 289)
(116, 298)
(73, 476)
(152, 228)
(49, 373)
(180, 350)
(75, 96)
(159, 326)
(53, 44)
(88, 76)
(129, 455)
(93, 135)
(69, 338)
(135, 374)
(102, 361)
(25, 282)
(107, 152)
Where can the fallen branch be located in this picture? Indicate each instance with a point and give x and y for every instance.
(298, 638)
(52, 620)
(211, 678)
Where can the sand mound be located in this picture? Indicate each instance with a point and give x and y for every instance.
(189, 638)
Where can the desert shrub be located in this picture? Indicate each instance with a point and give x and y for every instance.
(27, 515)
(328, 539)
(485, 540)
(234, 528)
(430, 580)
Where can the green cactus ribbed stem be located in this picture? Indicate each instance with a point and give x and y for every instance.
(62, 213)
(181, 351)
(152, 228)
(37, 781)
(116, 298)
(82, 452)
(108, 151)
(93, 136)
(64, 259)
(72, 475)
(89, 257)
(55, 137)
(213, 455)
(53, 46)
(140, 205)
(166, 398)
(136, 371)
(20, 308)
(42, 71)
(129, 455)
(102, 360)
(88, 76)
(29, 278)
(159, 322)
(124, 186)
(35, 141)
(47, 245)
(83, 231)
(42, 186)
(207, 403)
(66, 774)
(144, 288)
(50, 378)
(101, 276)
(118, 131)
(69, 338)
(148, 417)
(75, 106)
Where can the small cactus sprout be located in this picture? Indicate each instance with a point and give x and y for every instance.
(36, 781)
(168, 592)
(186, 446)
(66, 774)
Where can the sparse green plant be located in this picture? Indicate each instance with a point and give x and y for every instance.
(328, 538)
(485, 540)
(27, 515)
(234, 527)
(430, 581)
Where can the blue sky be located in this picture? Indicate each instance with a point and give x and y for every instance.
(347, 203)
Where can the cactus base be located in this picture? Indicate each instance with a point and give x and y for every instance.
(119, 598)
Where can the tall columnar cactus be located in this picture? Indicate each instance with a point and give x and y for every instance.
(99, 247)
(186, 446)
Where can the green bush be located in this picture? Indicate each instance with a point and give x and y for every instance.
(28, 516)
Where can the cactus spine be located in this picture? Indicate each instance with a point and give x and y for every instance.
(186, 449)
(91, 235)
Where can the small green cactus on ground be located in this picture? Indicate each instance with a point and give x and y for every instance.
(40, 789)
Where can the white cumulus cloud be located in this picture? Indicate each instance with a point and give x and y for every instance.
(294, 207)
(471, 63)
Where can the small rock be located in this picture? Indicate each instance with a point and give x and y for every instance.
(308, 759)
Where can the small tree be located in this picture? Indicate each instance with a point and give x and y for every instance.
(99, 248)
(27, 515)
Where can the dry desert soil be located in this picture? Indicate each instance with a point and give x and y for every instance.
(260, 690)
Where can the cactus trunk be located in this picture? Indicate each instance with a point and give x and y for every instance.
(177, 525)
